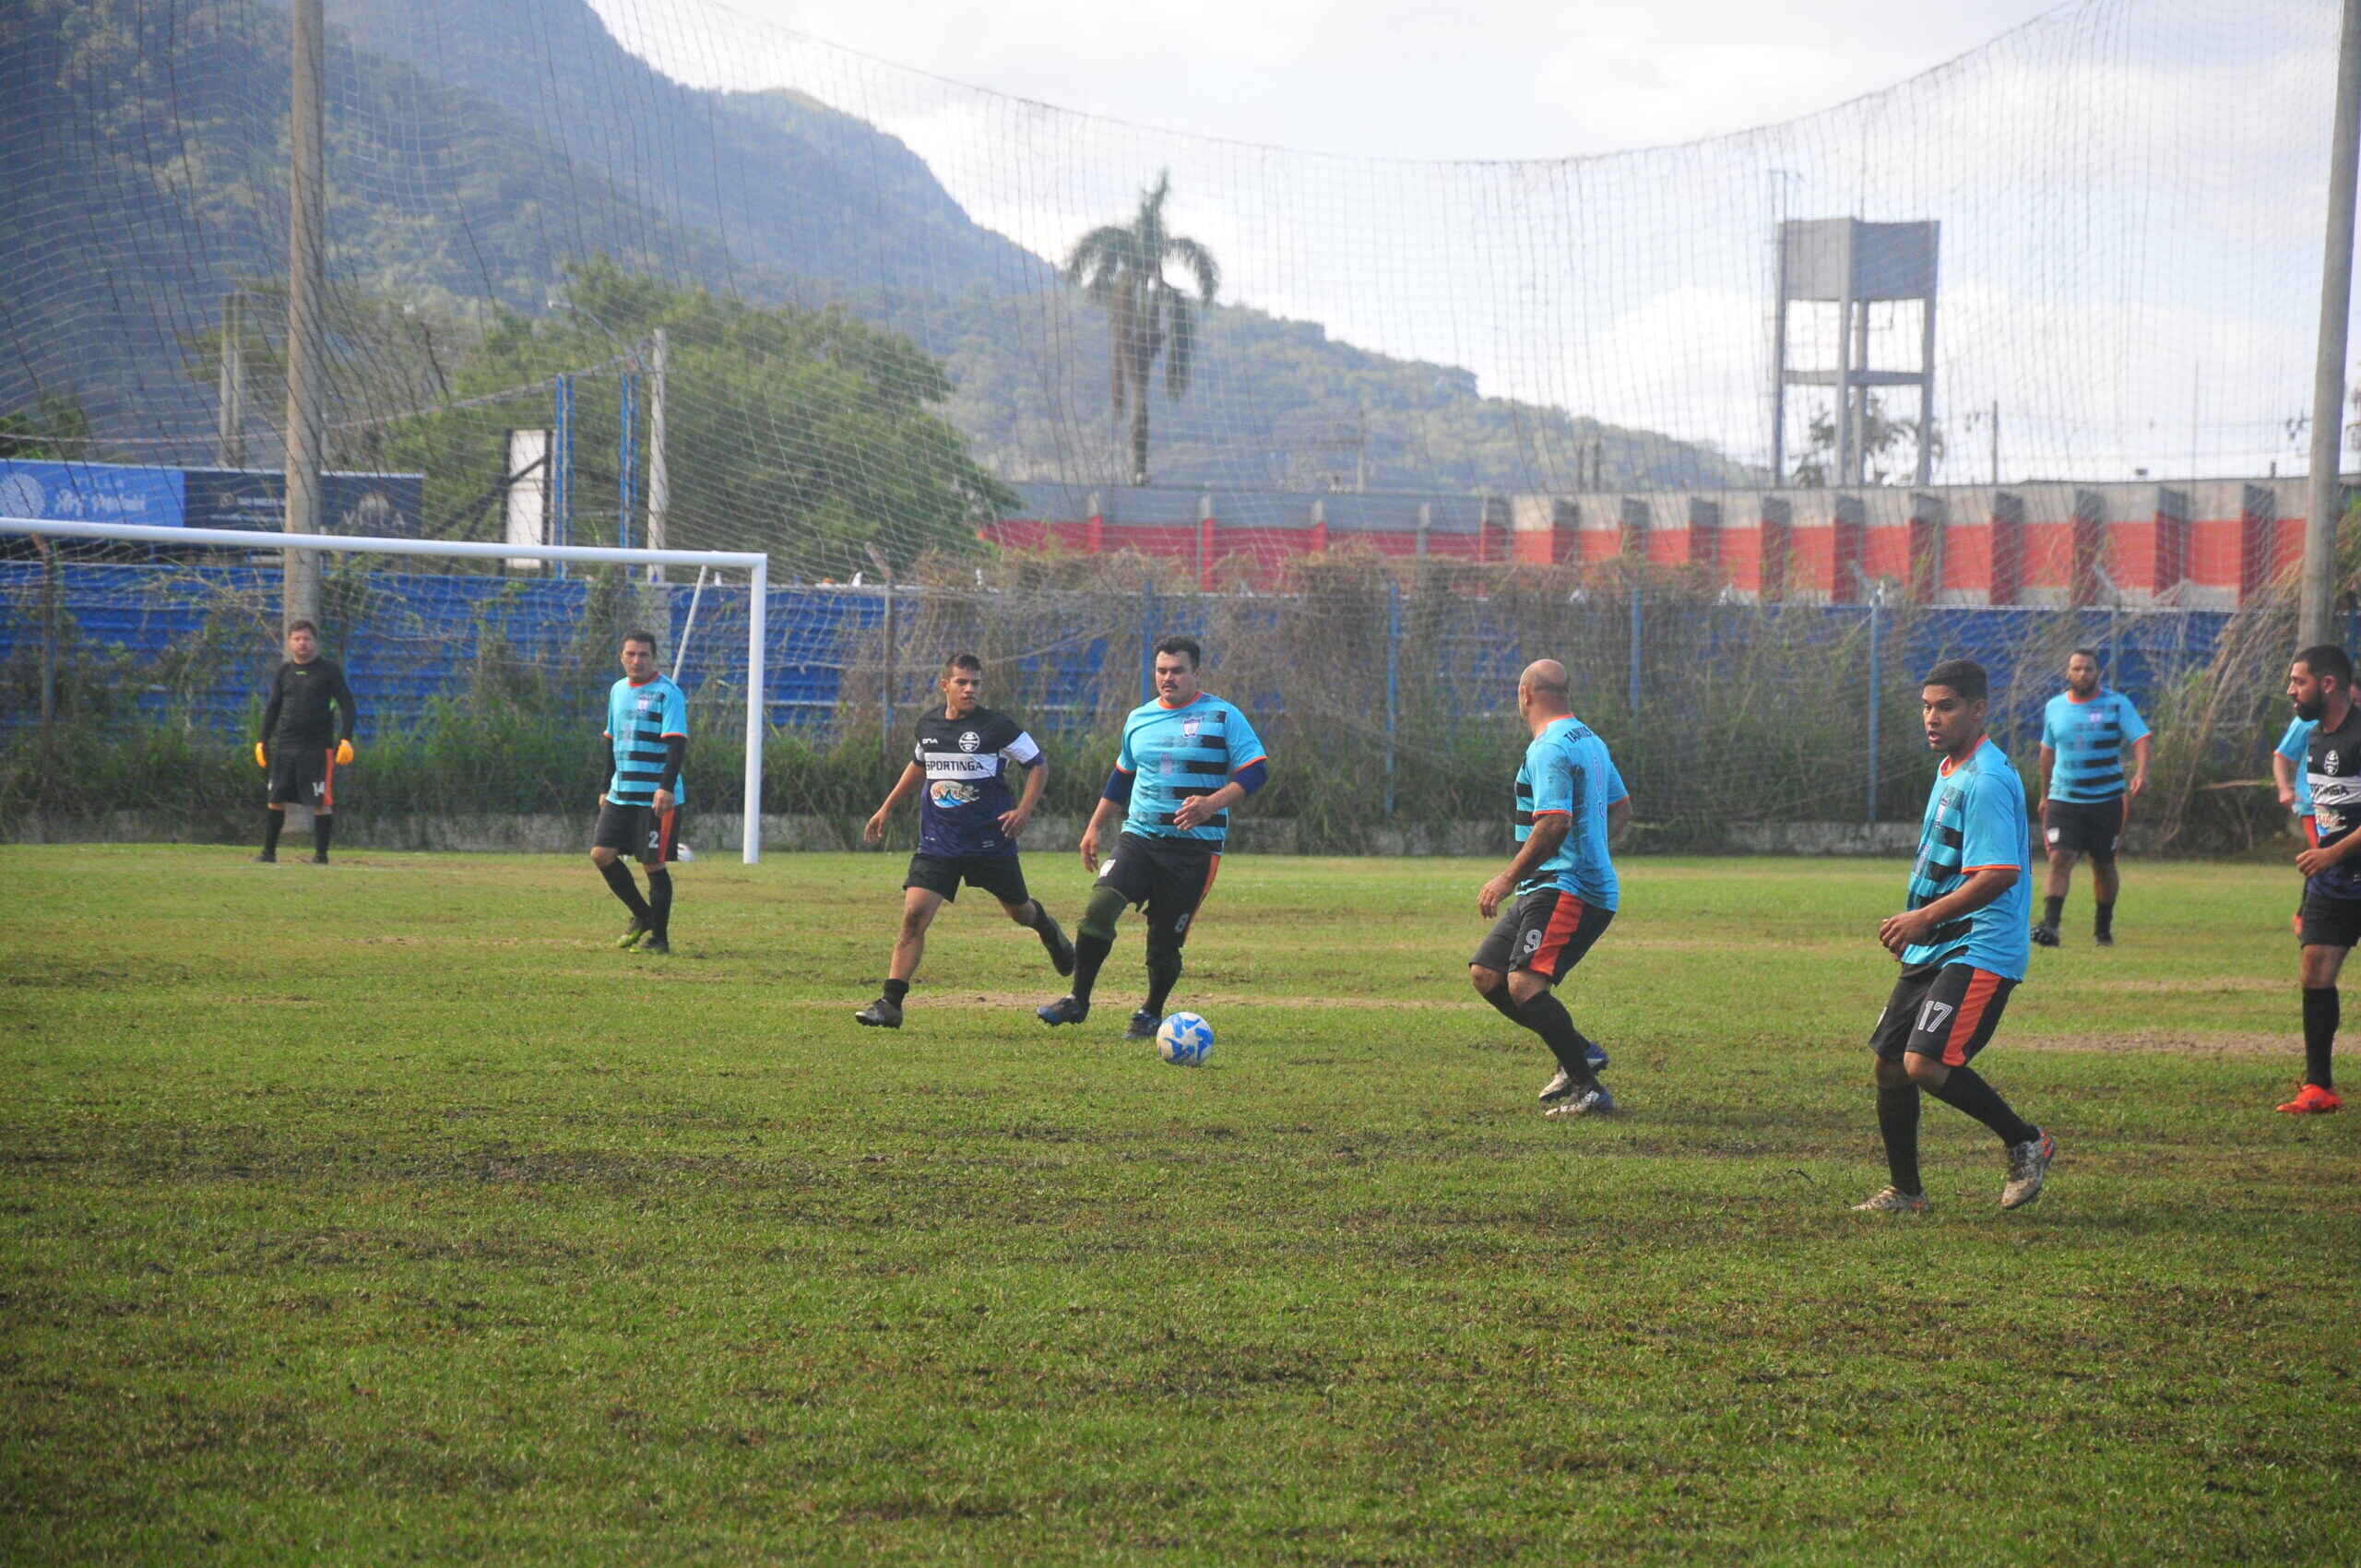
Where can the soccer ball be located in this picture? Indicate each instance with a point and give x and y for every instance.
(1185, 1039)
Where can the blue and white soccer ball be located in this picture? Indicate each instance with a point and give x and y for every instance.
(1185, 1039)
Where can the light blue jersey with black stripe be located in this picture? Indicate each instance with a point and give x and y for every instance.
(1174, 752)
(2294, 745)
(1567, 771)
(2089, 737)
(639, 718)
(1976, 818)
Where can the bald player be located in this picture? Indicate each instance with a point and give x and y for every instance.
(1558, 894)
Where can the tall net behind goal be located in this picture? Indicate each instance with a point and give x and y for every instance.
(135, 662)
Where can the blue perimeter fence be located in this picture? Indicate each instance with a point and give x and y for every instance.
(420, 636)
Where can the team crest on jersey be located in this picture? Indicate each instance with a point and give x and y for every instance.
(950, 792)
(969, 741)
(2329, 763)
(1188, 727)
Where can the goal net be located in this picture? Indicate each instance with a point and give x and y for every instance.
(479, 672)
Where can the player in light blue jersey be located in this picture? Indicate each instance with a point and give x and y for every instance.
(1962, 944)
(1559, 890)
(639, 811)
(2085, 793)
(2288, 771)
(1186, 759)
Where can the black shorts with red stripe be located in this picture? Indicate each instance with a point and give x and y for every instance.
(303, 775)
(647, 834)
(1546, 932)
(1946, 1011)
(1165, 879)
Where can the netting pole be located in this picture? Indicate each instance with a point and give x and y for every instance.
(626, 402)
(2328, 371)
(1147, 642)
(1635, 651)
(886, 683)
(1393, 682)
(562, 467)
(1877, 685)
(306, 320)
(660, 477)
(757, 605)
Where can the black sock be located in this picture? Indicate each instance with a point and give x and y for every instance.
(617, 877)
(323, 827)
(897, 989)
(2322, 1012)
(659, 902)
(1505, 1006)
(1089, 951)
(1546, 1016)
(2053, 909)
(1898, 1125)
(272, 824)
(1163, 974)
(1964, 1090)
(2105, 919)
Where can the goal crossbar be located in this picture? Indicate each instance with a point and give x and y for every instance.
(755, 565)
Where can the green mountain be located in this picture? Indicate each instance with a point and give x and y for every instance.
(477, 147)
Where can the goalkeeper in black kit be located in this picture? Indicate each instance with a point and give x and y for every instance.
(302, 744)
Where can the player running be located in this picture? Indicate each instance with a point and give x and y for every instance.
(302, 746)
(2084, 796)
(967, 826)
(1561, 888)
(639, 812)
(1962, 941)
(1186, 758)
(2319, 685)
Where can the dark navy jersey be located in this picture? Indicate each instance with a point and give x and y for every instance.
(967, 762)
(2332, 768)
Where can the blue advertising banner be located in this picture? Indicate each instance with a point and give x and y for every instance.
(92, 492)
(379, 506)
(375, 506)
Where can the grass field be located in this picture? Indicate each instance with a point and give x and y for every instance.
(384, 1212)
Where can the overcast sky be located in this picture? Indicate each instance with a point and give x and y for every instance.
(2129, 190)
(1421, 79)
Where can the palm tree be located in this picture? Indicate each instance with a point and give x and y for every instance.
(1122, 268)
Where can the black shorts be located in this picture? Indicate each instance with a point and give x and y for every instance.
(303, 775)
(1546, 932)
(1947, 1011)
(1167, 878)
(2087, 827)
(2323, 919)
(648, 836)
(999, 875)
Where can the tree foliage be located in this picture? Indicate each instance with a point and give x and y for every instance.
(1120, 267)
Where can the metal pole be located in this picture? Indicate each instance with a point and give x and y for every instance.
(49, 590)
(1635, 651)
(757, 607)
(306, 319)
(1842, 470)
(562, 468)
(626, 401)
(659, 480)
(1393, 682)
(1927, 368)
(1778, 357)
(1147, 643)
(2327, 373)
(1995, 442)
(1877, 680)
(229, 410)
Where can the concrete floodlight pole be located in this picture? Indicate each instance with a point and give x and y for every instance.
(230, 405)
(306, 318)
(2321, 513)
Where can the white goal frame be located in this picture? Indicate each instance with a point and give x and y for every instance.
(756, 566)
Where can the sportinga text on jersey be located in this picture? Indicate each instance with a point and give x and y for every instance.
(966, 761)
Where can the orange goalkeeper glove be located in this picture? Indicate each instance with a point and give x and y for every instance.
(261, 759)
(344, 753)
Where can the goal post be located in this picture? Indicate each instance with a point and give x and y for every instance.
(754, 565)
